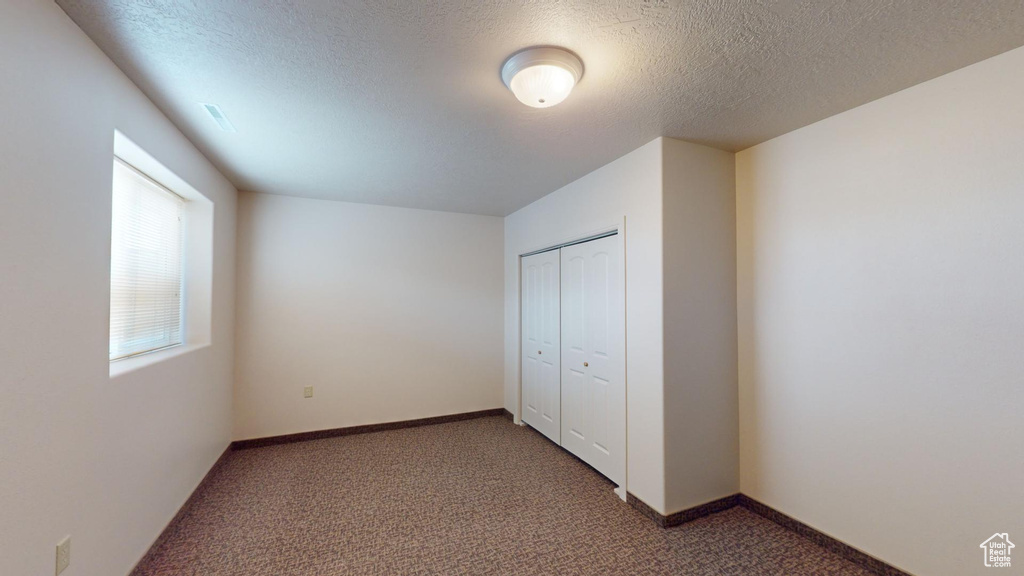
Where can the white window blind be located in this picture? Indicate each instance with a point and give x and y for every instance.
(145, 265)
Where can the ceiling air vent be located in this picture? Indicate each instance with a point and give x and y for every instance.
(218, 116)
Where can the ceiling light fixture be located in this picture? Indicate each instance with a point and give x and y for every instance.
(542, 77)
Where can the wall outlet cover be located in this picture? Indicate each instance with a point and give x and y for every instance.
(308, 392)
(63, 554)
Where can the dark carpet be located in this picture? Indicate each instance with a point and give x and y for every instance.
(475, 497)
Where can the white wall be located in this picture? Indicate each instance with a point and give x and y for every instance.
(389, 313)
(701, 405)
(108, 461)
(881, 320)
(629, 187)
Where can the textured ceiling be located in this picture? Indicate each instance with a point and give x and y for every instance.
(401, 102)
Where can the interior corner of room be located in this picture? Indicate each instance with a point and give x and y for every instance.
(581, 287)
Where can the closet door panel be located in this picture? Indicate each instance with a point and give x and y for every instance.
(574, 379)
(541, 348)
(574, 409)
(600, 358)
(530, 326)
(593, 355)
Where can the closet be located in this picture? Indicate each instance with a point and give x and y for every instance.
(573, 350)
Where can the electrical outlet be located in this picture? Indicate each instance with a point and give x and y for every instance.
(63, 554)
(308, 392)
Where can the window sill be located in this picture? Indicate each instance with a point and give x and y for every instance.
(122, 367)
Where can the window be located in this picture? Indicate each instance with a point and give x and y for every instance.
(146, 264)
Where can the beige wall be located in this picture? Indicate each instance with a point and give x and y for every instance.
(107, 461)
(701, 405)
(880, 316)
(881, 320)
(389, 313)
(629, 188)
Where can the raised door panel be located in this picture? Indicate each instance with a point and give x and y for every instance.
(574, 422)
(541, 403)
(593, 355)
(530, 328)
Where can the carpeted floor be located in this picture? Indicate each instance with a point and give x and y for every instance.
(475, 497)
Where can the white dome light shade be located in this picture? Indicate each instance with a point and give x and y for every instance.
(542, 77)
(542, 85)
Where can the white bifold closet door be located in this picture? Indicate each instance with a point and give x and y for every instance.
(541, 349)
(593, 355)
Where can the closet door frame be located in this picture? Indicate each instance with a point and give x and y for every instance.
(619, 230)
